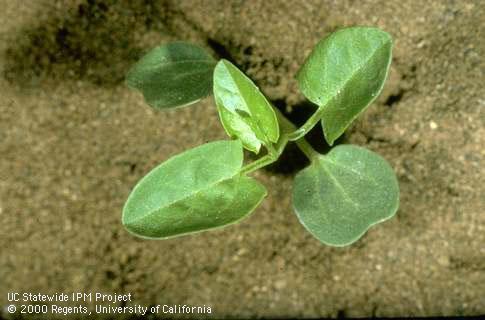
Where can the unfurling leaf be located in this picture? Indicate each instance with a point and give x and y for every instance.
(197, 190)
(342, 194)
(244, 111)
(344, 73)
(173, 75)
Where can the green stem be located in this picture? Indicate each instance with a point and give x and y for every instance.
(307, 149)
(305, 128)
(274, 152)
(258, 164)
(289, 129)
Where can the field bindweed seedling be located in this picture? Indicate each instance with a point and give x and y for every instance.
(337, 198)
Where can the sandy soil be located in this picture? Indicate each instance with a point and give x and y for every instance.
(74, 141)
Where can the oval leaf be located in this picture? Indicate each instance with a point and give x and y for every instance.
(342, 194)
(173, 75)
(244, 111)
(197, 190)
(344, 73)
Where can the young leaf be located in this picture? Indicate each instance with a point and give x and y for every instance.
(244, 111)
(197, 190)
(173, 75)
(342, 194)
(344, 73)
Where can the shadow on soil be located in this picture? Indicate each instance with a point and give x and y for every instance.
(293, 160)
(93, 41)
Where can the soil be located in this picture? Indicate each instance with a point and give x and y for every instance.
(74, 141)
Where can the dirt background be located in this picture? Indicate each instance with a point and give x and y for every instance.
(74, 141)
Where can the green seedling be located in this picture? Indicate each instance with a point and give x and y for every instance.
(337, 198)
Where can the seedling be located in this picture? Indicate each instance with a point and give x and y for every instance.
(337, 198)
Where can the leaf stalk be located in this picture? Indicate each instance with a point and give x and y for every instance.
(274, 151)
(307, 126)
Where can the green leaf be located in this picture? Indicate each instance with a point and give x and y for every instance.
(342, 194)
(197, 190)
(344, 73)
(244, 111)
(173, 75)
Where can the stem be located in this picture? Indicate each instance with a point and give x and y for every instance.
(301, 143)
(258, 164)
(307, 149)
(309, 124)
(274, 152)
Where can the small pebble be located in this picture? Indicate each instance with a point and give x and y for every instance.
(433, 125)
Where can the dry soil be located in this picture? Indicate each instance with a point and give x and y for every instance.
(74, 141)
